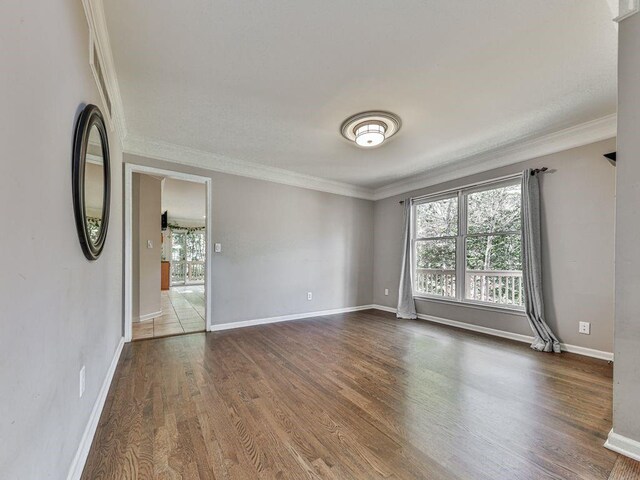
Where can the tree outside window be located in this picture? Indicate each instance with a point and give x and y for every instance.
(473, 233)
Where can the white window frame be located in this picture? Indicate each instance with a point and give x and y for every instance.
(461, 241)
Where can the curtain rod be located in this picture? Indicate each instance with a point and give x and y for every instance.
(477, 184)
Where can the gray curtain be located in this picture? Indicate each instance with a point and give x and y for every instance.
(545, 340)
(406, 304)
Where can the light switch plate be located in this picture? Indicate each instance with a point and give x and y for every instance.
(149, 244)
(217, 247)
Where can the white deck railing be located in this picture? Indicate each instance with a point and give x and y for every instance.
(187, 272)
(503, 287)
(436, 282)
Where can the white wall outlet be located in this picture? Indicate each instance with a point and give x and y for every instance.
(584, 328)
(386, 291)
(309, 296)
(149, 244)
(217, 247)
(82, 381)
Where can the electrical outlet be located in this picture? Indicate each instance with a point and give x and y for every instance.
(584, 328)
(309, 296)
(386, 291)
(217, 247)
(82, 381)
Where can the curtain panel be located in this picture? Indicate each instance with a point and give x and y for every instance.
(544, 339)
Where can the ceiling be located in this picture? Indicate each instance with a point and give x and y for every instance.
(268, 83)
(184, 200)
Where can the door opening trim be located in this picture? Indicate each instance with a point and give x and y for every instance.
(129, 170)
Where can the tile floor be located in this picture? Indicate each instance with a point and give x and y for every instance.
(182, 312)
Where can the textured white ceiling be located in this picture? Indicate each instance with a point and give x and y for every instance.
(184, 200)
(270, 82)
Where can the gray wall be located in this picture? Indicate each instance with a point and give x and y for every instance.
(578, 199)
(279, 242)
(147, 225)
(59, 311)
(626, 385)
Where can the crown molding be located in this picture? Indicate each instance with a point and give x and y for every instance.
(576, 136)
(169, 152)
(627, 8)
(99, 34)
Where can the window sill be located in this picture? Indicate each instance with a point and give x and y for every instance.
(479, 306)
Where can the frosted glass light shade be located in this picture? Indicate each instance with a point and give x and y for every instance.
(370, 129)
(370, 134)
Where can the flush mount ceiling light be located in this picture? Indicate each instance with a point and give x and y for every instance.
(370, 129)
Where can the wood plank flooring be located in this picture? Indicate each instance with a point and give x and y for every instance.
(359, 395)
(625, 469)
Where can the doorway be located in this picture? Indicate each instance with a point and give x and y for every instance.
(167, 289)
(188, 254)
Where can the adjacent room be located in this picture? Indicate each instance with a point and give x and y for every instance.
(337, 240)
(168, 245)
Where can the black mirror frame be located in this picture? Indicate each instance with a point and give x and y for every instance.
(89, 117)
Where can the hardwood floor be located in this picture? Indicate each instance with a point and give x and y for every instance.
(625, 469)
(359, 395)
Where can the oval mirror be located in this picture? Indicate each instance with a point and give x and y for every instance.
(91, 181)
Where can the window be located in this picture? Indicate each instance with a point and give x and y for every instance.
(188, 253)
(436, 227)
(471, 234)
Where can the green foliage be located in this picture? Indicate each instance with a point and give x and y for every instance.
(188, 244)
(175, 226)
(437, 219)
(488, 212)
(196, 250)
(495, 210)
(436, 254)
(494, 252)
(93, 226)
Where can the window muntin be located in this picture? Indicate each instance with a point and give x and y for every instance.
(472, 234)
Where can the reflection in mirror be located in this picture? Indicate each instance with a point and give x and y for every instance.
(94, 185)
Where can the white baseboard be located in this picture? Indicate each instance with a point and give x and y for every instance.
(286, 318)
(149, 316)
(588, 352)
(75, 472)
(478, 328)
(385, 309)
(623, 445)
